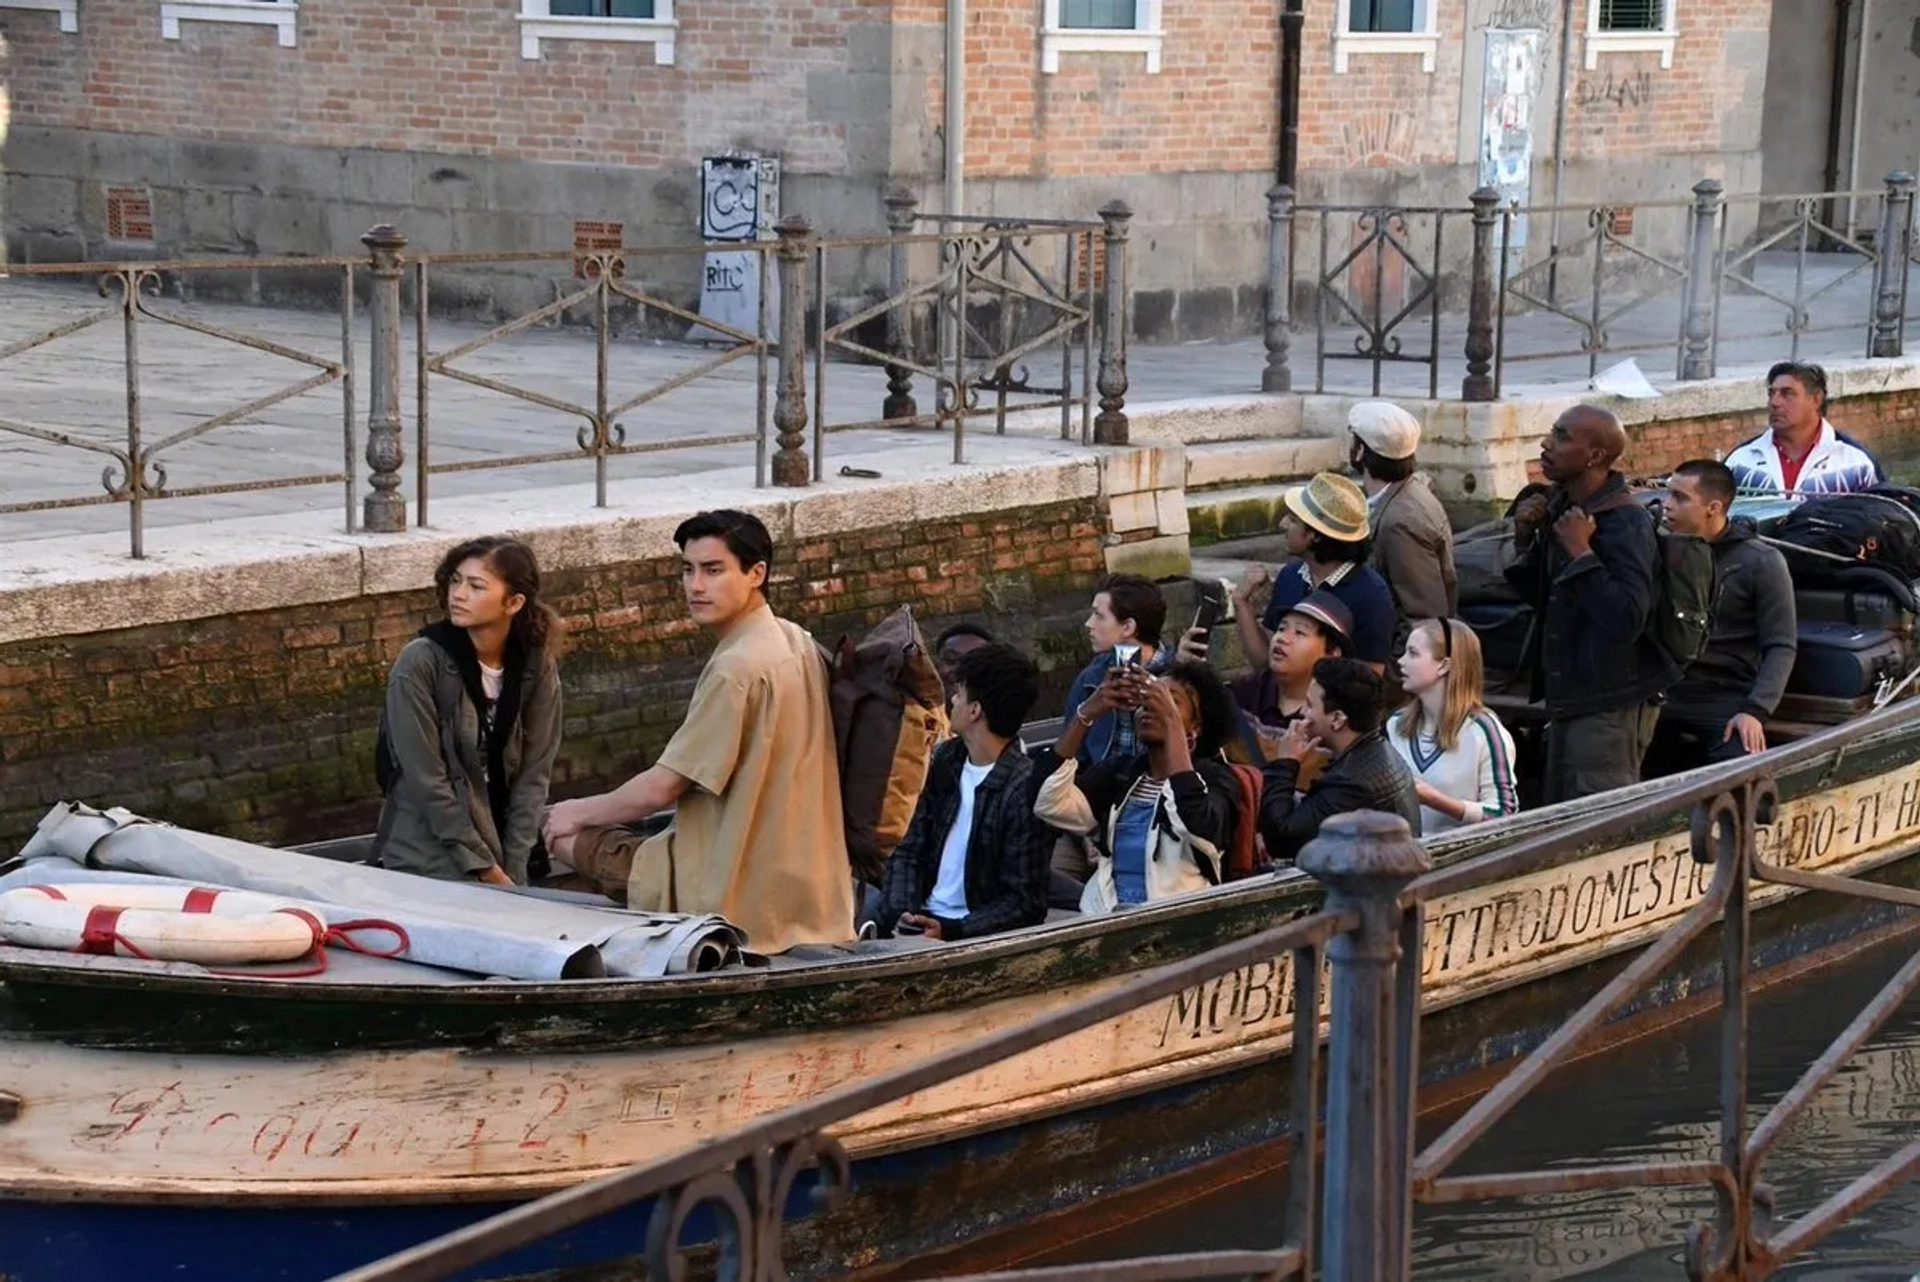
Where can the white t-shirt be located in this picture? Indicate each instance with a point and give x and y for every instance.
(949, 898)
(491, 682)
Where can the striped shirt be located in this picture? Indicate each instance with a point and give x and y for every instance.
(1478, 769)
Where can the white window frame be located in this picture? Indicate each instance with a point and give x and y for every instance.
(537, 23)
(1424, 39)
(69, 10)
(1145, 37)
(1660, 42)
(280, 14)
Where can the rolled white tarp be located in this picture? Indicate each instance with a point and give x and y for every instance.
(460, 926)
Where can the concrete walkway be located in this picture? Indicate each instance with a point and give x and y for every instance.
(76, 384)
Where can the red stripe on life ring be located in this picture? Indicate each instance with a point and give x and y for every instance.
(199, 900)
(102, 930)
(51, 892)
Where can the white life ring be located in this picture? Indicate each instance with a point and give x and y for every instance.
(200, 924)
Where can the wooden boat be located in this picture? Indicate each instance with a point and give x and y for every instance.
(159, 1121)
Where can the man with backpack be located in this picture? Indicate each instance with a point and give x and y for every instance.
(1592, 567)
(1716, 711)
(757, 834)
(974, 860)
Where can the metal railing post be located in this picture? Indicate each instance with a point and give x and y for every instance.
(1110, 425)
(385, 509)
(1696, 356)
(1890, 267)
(901, 207)
(1478, 385)
(790, 464)
(1278, 375)
(1365, 860)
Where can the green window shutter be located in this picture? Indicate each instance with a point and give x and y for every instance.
(1099, 15)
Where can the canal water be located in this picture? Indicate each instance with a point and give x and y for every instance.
(1656, 1098)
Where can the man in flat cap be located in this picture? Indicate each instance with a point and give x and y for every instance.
(1412, 538)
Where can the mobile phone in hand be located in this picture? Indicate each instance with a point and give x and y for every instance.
(1126, 656)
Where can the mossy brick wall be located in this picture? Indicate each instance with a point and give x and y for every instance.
(261, 725)
(1888, 423)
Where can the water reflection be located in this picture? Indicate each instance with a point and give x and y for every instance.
(1655, 1099)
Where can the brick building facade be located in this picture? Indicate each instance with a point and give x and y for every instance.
(269, 127)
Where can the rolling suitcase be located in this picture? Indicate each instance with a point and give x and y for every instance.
(1845, 661)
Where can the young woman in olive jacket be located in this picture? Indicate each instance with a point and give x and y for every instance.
(472, 723)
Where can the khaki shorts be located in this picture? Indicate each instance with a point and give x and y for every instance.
(604, 856)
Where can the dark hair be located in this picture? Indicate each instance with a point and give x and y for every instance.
(1218, 712)
(1004, 682)
(513, 563)
(1378, 466)
(1131, 597)
(1350, 686)
(1812, 378)
(1331, 551)
(744, 534)
(961, 629)
(1715, 478)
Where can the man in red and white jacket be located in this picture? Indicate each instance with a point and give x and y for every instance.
(1802, 453)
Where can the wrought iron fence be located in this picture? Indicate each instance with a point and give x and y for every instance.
(1754, 277)
(1349, 1205)
(1379, 287)
(994, 297)
(137, 296)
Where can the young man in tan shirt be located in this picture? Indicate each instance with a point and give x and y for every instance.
(752, 772)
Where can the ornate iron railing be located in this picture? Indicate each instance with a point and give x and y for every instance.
(137, 294)
(1646, 277)
(1365, 1179)
(996, 294)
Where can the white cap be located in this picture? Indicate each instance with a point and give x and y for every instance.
(1384, 428)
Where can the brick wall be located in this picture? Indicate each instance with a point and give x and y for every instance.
(445, 77)
(261, 725)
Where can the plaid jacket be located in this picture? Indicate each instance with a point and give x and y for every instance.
(1008, 852)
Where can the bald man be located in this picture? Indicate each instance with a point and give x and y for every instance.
(1588, 565)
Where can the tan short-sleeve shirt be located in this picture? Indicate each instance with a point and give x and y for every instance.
(758, 838)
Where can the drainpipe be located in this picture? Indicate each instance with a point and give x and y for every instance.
(1559, 147)
(1836, 112)
(1287, 164)
(956, 106)
(1859, 108)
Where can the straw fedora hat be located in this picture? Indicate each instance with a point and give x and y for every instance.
(1332, 505)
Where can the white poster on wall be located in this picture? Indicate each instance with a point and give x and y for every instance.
(739, 202)
(1506, 121)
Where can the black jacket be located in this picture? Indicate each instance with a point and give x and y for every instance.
(1368, 776)
(1008, 851)
(1755, 636)
(1591, 649)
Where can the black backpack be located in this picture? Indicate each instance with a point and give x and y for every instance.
(1682, 617)
(1827, 535)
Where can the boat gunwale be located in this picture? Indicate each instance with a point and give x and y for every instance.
(1291, 890)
